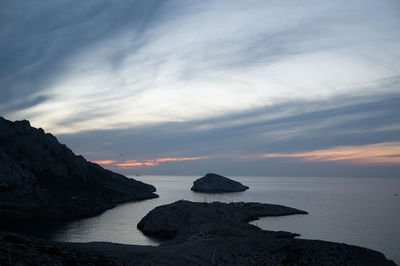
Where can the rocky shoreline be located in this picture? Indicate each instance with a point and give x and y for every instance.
(208, 237)
(41, 179)
(219, 234)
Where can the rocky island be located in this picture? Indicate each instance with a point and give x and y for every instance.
(43, 179)
(213, 183)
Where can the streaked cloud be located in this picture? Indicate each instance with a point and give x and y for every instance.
(105, 162)
(128, 164)
(134, 163)
(178, 79)
(162, 160)
(363, 156)
(367, 155)
(143, 63)
(285, 128)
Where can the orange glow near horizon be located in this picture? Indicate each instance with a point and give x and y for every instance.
(133, 163)
(161, 160)
(387, 153)
(127, 164)
(379, 154)
(105, 162)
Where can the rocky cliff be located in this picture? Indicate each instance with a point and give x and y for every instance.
(43, 179)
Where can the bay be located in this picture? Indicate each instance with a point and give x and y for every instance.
(358, 211)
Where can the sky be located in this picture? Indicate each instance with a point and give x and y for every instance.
(267, 88)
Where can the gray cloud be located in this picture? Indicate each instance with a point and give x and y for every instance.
(208, 39)
(146, 47)
(37, 38)
(368, 122)
(15, 106)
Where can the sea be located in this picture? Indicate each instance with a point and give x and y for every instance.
(358, 211)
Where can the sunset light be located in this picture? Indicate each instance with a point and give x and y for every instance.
(375, 154)
(206, 115)
(105, 162)
(127, 164)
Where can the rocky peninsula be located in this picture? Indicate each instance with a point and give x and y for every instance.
(195, 234)
(43, 179)
(213, 183)
(183, 219)
(219, 234)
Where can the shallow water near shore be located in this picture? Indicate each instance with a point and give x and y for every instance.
(358, 211)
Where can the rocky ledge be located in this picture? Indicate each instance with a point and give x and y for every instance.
(183, 218)
(20, 250)
(218, 234)
(213, 183)
(43, 179)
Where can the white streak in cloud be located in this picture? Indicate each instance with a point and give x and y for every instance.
(196, 60)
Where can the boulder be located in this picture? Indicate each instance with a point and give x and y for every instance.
(213, 183)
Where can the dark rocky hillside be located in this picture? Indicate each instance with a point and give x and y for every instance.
(43, 179)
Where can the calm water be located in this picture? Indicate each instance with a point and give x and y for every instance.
(359, 211)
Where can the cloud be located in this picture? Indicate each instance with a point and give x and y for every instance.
(134, 164)
(24, 103)
(150, 62)
(381, 159)
(368, 155)
(105, 162)
(130, 81)
(282, 128)
(38, 39)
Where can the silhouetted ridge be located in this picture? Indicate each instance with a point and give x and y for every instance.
(43, 179)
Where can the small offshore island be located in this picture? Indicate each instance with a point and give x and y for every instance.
(213, 183)
(41, 179)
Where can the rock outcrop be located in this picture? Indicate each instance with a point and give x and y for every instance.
(43, 179)
(213, 183)
(187, 218)
(218, 234)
